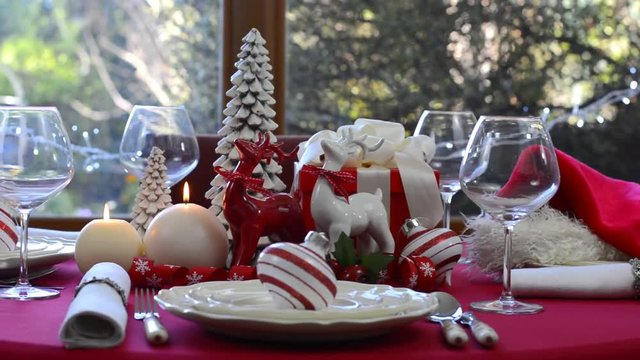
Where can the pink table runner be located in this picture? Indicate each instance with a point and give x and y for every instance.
(567, 329)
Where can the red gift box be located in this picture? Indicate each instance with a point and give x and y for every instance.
(398, 213)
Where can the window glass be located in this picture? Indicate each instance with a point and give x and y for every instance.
(94, 60)
(391, 60)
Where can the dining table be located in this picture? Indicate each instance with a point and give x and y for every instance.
(566, 329)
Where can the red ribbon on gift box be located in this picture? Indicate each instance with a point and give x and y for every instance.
(144, 272)
(336, 179)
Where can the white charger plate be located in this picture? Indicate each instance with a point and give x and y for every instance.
(245, 309)
(44, 252)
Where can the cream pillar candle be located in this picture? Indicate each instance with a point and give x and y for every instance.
(106, 239)
(186, 235)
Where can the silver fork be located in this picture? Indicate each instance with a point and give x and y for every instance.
(145, 308)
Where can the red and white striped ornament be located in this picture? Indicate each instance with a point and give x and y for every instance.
(298, 276)
(442, 246)
(8, 232)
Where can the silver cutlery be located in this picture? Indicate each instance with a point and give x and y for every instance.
(447, 312)
(484, 334)
(145, 308)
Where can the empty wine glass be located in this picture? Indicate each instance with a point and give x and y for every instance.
(36, 163)
(509, 170)
(168, 128)
(450, 130)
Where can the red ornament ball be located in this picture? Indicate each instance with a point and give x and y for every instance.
(417, 273)
(442, 246)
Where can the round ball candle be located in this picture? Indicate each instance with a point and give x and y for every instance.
(106, 239)
(186, 235)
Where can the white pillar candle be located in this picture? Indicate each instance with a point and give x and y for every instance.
(186, 235)
(112, 240)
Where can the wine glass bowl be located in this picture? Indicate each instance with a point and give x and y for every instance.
(167, 127)
(36, 163)
(509, 170)
(450, 131)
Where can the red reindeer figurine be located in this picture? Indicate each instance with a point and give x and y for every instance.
(277, 216)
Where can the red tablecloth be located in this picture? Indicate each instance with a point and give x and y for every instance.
(567, 329)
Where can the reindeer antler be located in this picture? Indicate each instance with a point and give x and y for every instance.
(249, 182)
(268, 149)
(254, 152)
(346, 136)
(262, 140)
(347, 140)
(277, 148)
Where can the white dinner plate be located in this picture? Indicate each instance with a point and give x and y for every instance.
(245, 309)
(43, 252)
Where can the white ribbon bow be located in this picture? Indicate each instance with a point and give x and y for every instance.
(409, 154)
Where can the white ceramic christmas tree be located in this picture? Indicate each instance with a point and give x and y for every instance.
(248, 115)
(154, 195)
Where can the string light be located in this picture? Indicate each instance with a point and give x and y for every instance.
(588, 111)
(95, 155)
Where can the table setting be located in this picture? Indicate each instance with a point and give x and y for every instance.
(357, 261)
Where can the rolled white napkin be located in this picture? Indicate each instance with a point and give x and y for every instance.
(97, 317)
(602, 281)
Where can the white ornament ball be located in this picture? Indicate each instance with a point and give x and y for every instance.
(297, 276)
(107, 240)
(186, 235)
(442, 246)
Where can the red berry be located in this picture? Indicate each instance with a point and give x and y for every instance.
(356, 273)
(335, 266)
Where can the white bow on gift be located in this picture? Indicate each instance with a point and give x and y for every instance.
(409, 154)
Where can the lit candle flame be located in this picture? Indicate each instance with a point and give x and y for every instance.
(105, 213)
(185, 193)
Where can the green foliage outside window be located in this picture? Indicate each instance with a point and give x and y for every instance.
(94, 60)
(393, 59)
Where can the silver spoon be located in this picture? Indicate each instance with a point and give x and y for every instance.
(484, 333)
(447, 312)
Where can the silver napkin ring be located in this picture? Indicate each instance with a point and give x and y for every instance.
(635, 270)
(107, 281)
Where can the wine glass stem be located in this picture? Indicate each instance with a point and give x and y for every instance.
(506, 295)
(23, 277)
(446, 202)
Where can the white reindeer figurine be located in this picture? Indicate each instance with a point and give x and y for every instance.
(364, 216)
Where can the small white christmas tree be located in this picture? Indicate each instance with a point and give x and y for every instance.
(154, 195)
(248, 115)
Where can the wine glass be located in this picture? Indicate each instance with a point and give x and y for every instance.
(168, 128)
(36, 163)
(509, 170)
(450, 130)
